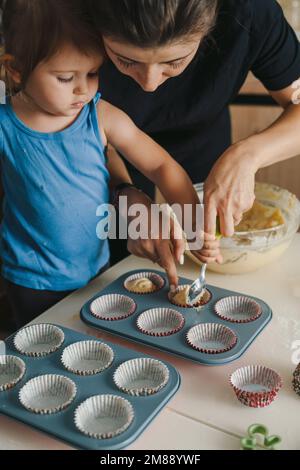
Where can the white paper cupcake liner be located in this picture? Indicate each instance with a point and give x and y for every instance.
(205, 298)
(39, 340)
(142, 376)
(12, 370)
(211, 338)
(238, 309)
(157, 283)
(160, 322)
(104, 416)
(47, 394)
(112, 307)
(87, 357)
(256, 386)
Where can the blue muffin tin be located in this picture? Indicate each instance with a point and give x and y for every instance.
(176, 343)
(61, 425)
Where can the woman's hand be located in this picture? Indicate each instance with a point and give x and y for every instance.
(229, 189)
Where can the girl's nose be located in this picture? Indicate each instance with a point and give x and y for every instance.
(81, 89)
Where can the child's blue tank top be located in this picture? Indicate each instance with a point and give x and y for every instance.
(53, 184)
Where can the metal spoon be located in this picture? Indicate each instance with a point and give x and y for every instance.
(197, 287)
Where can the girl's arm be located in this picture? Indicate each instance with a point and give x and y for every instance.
(117, 169)
(147, 156)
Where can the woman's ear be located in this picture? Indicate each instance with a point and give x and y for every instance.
(8, 62)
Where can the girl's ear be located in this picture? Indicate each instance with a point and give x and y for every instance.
(8, 61)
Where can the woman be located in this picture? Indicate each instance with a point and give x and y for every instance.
(175, 66)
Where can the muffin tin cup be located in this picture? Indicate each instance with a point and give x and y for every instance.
(112, 307)
(39, 340)
(160, 322)
(157, 281)
(211, 338)
(205, 298)
(87, 357)
(141, 377)
(255, 386)
(238, 309)
(296, 380)
(12, 370)
(104, 416)
(47, 394)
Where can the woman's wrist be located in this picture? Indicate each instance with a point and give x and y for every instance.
(248, 152)
(263, 150)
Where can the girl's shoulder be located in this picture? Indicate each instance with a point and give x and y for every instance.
(4, 115)
(3, 118)
(3, 111)
(100, 105)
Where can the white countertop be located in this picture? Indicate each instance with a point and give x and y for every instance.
(204, 414)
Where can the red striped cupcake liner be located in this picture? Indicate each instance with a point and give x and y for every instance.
(255, 377)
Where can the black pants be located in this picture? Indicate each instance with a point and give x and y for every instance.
(27, 304)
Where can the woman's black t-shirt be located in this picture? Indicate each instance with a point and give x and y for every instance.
(188, 115)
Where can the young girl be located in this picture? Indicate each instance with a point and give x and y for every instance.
(53, 133)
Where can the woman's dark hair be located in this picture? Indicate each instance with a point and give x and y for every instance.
(150, 23)
(34, 30)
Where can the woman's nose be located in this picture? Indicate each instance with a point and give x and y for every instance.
(150, 79)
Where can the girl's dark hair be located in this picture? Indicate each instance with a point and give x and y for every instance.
(148, 23)
(34, 30)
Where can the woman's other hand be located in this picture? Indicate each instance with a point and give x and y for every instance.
(229, 189)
